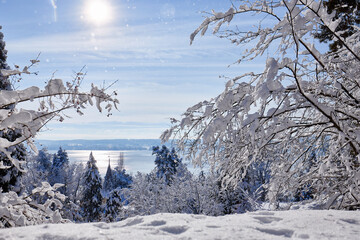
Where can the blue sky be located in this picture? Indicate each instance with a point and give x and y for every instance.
(144, 46)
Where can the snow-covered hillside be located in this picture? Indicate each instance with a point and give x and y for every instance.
(293, 224)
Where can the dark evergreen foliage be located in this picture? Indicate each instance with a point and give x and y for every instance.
(166, 162)
(121, 179)
(117, 178)
(91, 198)
(43, 160)
(108, 185)
(4, 81)
(9, 177)
(349, 13)
(71, 211)
(60, 159)
(60, 165)
(113, 206)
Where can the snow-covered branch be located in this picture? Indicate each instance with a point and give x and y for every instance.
(53, 100)
(303, 105)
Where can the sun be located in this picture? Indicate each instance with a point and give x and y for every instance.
(98, 12)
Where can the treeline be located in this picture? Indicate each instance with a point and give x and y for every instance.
(82, 186)
(60, 191)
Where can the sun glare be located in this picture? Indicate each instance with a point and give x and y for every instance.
(98, 12)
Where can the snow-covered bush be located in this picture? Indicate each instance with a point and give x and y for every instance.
(305, 100)
(149, 194)
(38, 170)
(22, 210)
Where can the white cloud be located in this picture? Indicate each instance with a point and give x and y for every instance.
(160, 75)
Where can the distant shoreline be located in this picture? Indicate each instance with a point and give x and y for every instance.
(134, 160)
(105, 144)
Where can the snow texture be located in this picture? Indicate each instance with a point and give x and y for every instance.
(292, 224)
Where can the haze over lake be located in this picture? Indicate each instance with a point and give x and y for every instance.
(134, 160)
(137, 152)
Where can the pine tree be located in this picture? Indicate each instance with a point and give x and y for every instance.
(43, 161)
(60, 169)
(348, 11)
(108, 180)
(60, 159)
(9, 176)
(113, 206)
(38, 170)
(4, 81)
(166, 162)
(91, 198)
(120, 178)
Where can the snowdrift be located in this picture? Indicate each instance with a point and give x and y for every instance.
(292, 224)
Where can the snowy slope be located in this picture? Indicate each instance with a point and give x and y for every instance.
(293, 224)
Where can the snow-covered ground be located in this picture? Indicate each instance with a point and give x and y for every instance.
(292, 224)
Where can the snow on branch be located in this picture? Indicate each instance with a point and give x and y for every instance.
(23, 210)
(301, 113)
(56, 97)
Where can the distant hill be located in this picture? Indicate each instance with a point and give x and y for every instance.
(108, 144)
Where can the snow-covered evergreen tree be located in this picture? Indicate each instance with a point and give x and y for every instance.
(91, 199)
(60, 170)
(121, 179)
(43, 160)
(9, 174)
(108, 185)
(4, 80)
(42, 165)
(166, 162)
(60, 159)
(71, 210)
(113, 207)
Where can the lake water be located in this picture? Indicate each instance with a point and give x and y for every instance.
(134, 160)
